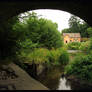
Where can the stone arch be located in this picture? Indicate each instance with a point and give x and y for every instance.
(80, 8)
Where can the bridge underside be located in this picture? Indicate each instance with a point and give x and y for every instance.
(79, 8)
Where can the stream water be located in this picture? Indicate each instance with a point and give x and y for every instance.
(52, 79)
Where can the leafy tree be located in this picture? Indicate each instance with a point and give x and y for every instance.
(32, 32)
(66, 30)
(83, 28)
(41, 31)
(77, 26)
(74, 24)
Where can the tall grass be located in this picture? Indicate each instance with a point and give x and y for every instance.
(43, 55)
(38, 56)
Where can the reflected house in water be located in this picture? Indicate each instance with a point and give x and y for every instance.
(71, 37)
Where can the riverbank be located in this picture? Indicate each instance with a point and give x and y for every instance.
(54, 80)
(79, 81)
(50, 78)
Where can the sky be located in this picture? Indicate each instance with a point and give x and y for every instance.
(58, 16)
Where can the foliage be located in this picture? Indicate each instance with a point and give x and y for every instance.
(41, 31)
(77, 26)
(81, 67)
(28, 44)
(66, 30)
(73, 45)
(89, 31)
(85, 46)
(43, 55)
(53, 57)
(64, 56)
(37, 56)
(32, 32)
(90, 45)
(58, 56)
(74, 24)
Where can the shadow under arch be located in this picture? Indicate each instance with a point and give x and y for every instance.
(79, 8)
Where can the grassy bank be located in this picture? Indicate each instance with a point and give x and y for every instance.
(43, 55)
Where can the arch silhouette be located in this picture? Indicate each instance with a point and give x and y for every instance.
(80, 8)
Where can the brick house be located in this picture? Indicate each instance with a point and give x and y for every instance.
(71, 37)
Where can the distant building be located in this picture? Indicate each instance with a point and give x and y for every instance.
(71, 37)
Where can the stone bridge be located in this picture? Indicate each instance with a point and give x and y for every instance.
(81, 8)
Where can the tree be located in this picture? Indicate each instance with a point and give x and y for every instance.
(77, 26)
(41, 31)
(66, 30)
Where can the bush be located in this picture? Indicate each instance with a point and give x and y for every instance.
(80, 67)
(90, 45)
(42, 55)
(64, 56)
(38, 56)
(73, 45)
(53, 56)
(85, 46)
(58, 56)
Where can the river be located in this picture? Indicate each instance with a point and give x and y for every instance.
(52, 79)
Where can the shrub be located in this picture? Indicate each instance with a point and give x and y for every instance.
(38, 56)
(85, 46)
(42, 55)
(81, 67)
(73, 45)
(64, 56)
(58, 56)
(90, 45)
(53, 56)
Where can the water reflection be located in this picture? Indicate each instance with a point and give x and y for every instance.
(53, 80)
(64, 84)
